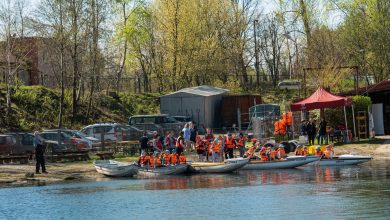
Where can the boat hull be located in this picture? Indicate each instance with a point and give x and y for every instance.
(162, 171)
(115, 169)
(343, 161)
(227, 167)
(290, 162)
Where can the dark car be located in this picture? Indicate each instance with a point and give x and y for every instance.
(6, 144)
(53, 137)
(23, 143)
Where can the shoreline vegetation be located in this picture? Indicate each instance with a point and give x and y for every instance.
(19, 175)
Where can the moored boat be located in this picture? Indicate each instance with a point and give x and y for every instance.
(228, 166)
(114, 168)
(342, 160)
(289, 162)
(161, 171)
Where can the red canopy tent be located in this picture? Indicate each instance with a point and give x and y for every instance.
(321, 99)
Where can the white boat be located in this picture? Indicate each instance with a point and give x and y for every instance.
(289, 162)
(342, 160)
(228, 166)
(162, 171)
(115, 169)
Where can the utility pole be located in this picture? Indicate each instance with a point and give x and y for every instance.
(256, 54)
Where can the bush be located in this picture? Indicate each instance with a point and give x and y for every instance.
(361, 103)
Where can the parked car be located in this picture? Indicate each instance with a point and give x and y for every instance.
(111, 131)
(289, 85)
(161, 123)
(52, 137)
(23, 143)
(77, 135)
(183, 118)
(6, 143)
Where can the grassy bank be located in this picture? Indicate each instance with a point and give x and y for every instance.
(36, 107)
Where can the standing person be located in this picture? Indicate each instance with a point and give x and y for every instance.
(186, 135)
(322, 132)
(209, 136)
(39, 153)
(303, 127)
(193, 135)
(170, 142)
(223, 147)
(157, 144)
(230, 144)
(180, 143)
(216, 148)
(144, 141)
(311, 131)
(241, 144)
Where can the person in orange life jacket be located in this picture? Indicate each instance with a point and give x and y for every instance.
(329, 153)
(157, 160)
(230, 144)
(281, 153)
(174, 158)
(305, 151)
(180, 143)
(143, 159)
(263, 154)
(182, 159)
(216, 148)
(200, 148)
(319, 152)
(165, 158)
(271, 154)
(241, 144)
(299, 151)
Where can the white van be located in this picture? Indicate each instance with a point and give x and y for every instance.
(289, 85)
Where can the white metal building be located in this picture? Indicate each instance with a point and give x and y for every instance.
(202, 103)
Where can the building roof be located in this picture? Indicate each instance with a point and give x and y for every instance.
(378, 87)
(201, 91)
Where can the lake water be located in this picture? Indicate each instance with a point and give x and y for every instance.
(303, 193)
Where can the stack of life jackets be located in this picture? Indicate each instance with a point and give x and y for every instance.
(287, 118)
(280, 127)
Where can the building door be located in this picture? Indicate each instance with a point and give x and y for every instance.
(377, 113)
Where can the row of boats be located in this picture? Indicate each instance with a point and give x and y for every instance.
(114, 168)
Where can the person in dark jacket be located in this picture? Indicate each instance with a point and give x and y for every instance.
(311, 131)
(39, 153)
(322, 135)
(144, 142)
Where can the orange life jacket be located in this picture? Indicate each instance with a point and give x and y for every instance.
(152, 162)
(280, 127)
(273, 154)
(178, 142)
(305, 152)
(167, 159)
(328, 153)
(299, 152)
(174, 159)
(157, 162)
(263, 155)
(319, 153)
(200, 146)
(249, 153)
(182, 159)
(287, 118)
(143, 160)
(230, 143)
(241, 142)
(216, 147)
(281, 152)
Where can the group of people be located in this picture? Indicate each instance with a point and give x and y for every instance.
(159, 159)
(309, 128)
(219, 148)
(327, 154)
(265, 153)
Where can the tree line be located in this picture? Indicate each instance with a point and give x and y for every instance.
(171, 44)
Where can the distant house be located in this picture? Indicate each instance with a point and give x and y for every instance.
(202, 103)
(29, 57)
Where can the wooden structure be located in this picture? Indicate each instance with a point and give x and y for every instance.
(235, 109)
(14, 159)
(362, 124)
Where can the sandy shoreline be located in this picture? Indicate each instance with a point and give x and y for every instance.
(14, 175)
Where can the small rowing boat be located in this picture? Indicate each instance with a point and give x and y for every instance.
(162, 171)
(342, 160)
(114, 168)
(289, 162)
(227, 166)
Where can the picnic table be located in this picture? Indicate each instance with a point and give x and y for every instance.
(74, 155)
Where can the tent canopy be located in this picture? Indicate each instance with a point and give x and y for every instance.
(321, 99)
